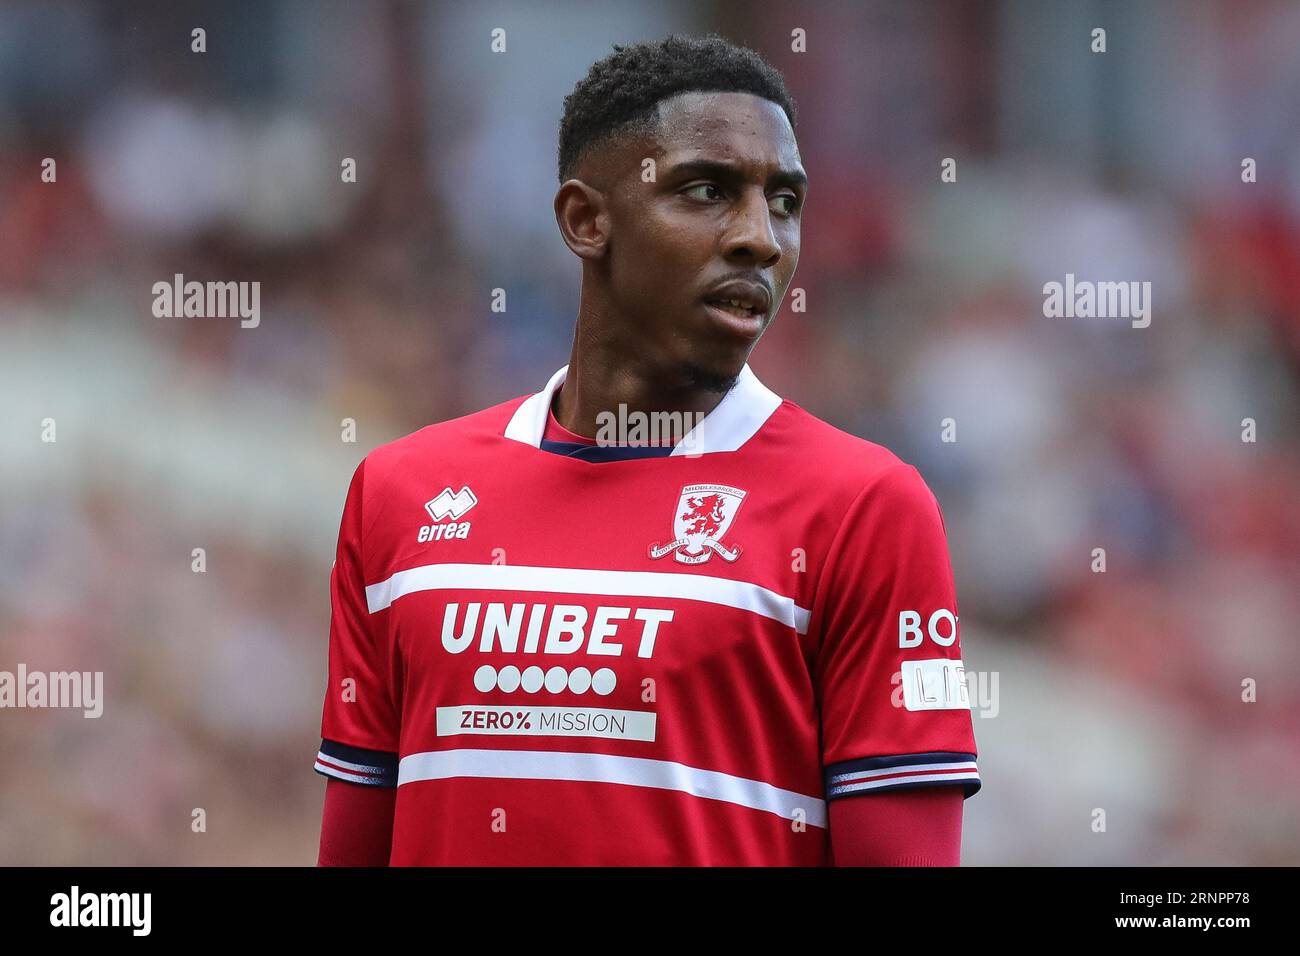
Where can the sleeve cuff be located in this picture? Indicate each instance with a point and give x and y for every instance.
(849, 778)
(374, 768)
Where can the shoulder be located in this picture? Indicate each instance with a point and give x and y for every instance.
(441, 438)
(853, 467)
(881, 518)
(420, 453)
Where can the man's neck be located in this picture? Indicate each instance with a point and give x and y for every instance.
(597, 384)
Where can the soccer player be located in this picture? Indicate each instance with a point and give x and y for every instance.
(654, 613)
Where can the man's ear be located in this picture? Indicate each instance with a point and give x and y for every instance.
(583, 218)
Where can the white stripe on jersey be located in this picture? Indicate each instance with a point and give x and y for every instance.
(649, 584)
(343, 774)
(607, 768)
(909, 768)
(856, 782)
(368, 768)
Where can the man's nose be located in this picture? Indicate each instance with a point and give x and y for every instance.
(749, 233)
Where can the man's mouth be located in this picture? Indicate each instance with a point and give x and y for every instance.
(735, 307)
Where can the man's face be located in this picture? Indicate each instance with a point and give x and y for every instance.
(721, 221)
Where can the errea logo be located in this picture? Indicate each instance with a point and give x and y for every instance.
(448, 505)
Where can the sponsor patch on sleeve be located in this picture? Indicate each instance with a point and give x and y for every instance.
(935, 684)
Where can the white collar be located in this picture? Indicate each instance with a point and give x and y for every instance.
(734, 421)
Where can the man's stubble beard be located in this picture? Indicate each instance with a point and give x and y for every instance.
(698, 377)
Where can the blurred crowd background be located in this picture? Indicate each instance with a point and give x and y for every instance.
(1119, 691)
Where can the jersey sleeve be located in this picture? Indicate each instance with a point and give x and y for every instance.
(361, 714)
(895, 711)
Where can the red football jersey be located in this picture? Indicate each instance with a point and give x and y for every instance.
(563, 653)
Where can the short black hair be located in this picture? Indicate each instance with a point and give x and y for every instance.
(620, 94)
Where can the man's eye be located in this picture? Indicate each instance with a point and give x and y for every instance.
(712, 186)
(793, 201)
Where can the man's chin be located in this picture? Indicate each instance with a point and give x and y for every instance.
(708, 379)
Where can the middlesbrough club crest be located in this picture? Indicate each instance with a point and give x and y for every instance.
(704, 513)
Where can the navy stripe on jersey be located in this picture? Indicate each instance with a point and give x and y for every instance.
(901, 772)
(573, 449)
(374, 768)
